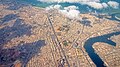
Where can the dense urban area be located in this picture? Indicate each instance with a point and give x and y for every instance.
(33, 37)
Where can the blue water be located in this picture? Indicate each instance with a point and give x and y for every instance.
(89, 49)
(82, 8)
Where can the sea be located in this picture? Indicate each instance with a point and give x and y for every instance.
(82, 8)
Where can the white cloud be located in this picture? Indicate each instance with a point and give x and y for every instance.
(98, 5)
(105, 5)
(53, 7)
(71, 7)
(72, 14)
(92, 3)
(70, 11)
(113, 4)
(49, 8)
(57, 6)
(95, 5)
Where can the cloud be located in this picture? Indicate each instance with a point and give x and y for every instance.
(96, 4)
(105, 5)
(113, 4)
(71, 14)
(71, 11)
(72, 7)
(52, 7)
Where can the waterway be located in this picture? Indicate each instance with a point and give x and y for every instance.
(114, 15)
(91, 52)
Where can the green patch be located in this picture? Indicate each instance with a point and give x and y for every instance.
(65, 43)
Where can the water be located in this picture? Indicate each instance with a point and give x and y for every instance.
(89, 49)
(82, 8)
(114, 18)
